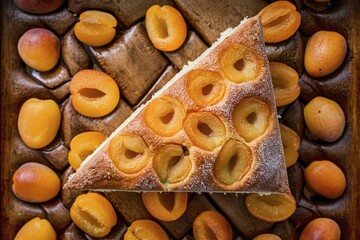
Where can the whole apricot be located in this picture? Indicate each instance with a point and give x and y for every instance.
(324, 53)
(39, 48)
(35, 182)
(38, 6)
(325, 178)
(38, 122)
(321, 229)
(267, 236)
(36, 228)
(325, 119)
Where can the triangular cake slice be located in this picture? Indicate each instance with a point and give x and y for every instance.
(212, 128)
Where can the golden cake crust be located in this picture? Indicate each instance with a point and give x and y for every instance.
(267, 173)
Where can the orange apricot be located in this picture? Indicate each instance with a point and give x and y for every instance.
(82, 145)
(38, 6)
(93, 214)
(35, 182)
(285, 83)
(36, 228)
(145, 230)
(211, 225)
(291, 144)
(325, 51)
(325, 178)
(39, 48)
(321, 228)
(166, 27)
(167, 206)
(280, 21)
(95, 28)
(267, 236)
(271, 208)
(39, 122)
(325, 119)
(94, 93)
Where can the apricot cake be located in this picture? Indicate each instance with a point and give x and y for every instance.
(212, 128)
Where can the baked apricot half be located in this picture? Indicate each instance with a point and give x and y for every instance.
(172, 163)
(165, 206)
(205, 87)
(271, 208)
(233, 162)
(129, 153)
(251, 118)
(205, 130)
(166, 27)
(165, 116)
(240, 64)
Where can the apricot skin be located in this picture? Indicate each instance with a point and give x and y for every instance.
(324, 53)
(145, 230)
(321, 229)
(35, 182)
(37, 228)
(325, 178)
(165, 206)
(325, 119)
(39, 48)
(38, 6)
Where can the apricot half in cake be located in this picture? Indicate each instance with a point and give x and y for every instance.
(212, 128)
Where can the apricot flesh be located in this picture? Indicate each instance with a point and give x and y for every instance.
(321, 228)
(35, 182)
(325, 178)
(145, 230)
(93, 214)
(167, 206)
(271, 208)
(211, 225)
(291, 144)
(325, 119)
(37, 228)
(39, 48)
(166, 27)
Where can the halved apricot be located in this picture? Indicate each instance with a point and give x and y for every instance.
(166, 27)
(240, 64)
(165, 116)
(94, 93)
(171, 163)
(145, 230)
(285, 83)
(251, 118)
(280, 20)
(167, 206)
(95, 28)
(205, 130)
(93, 214)
(82, 145)
(205, 87)
(291, 144)
(271, 208)
(233, 162)
(129, 153)
(211, 225)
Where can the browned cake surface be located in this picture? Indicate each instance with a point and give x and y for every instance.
(205, 21)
